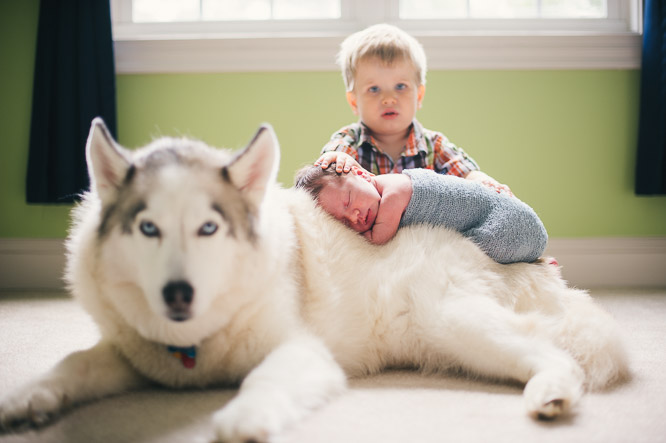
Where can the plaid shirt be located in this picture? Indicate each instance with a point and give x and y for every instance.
(424, 149)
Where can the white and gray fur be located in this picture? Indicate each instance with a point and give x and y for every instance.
(181, 244)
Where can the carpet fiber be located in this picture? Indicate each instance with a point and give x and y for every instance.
(37, 330)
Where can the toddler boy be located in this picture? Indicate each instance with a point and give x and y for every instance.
(384, 71)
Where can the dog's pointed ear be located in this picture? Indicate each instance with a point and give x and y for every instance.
(255, 167)
(107, 161)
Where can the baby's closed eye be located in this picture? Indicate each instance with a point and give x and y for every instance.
(345, 203)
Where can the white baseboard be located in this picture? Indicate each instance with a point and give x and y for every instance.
(37, 264)
(609, 262)
(28, 264)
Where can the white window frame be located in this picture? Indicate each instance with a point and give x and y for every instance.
(311, 45)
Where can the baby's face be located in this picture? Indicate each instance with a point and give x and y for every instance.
(386, 98)
(352, 200)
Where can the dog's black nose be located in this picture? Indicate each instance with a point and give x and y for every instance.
(178, 297)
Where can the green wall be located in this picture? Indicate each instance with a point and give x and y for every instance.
(563, 140)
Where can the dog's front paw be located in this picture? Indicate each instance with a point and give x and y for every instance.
(250, 419)
(549, 395)
(32, 406)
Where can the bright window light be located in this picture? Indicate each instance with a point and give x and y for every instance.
(502, 9)
(166, 11)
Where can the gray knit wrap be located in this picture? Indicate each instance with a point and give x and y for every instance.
(504, 227)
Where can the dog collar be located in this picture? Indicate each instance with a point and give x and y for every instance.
(188, 356)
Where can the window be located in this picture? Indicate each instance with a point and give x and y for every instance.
(503, 9)
(265, 35)
(227, 10)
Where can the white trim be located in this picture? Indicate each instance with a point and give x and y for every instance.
(38, 264)
(611, 262)
(32, 264)
(318, 53)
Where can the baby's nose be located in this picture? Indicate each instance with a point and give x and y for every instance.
(353, 216)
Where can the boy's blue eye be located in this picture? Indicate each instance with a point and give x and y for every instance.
(401, 86)
(373, 89)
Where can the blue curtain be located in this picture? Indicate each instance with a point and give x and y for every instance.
(74, 82)
(651, 158)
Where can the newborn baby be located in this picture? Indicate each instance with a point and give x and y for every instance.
(505, 228)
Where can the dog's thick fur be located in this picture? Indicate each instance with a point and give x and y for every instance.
(180, 244)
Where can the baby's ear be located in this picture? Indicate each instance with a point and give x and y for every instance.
(351, 99)
(420, 94)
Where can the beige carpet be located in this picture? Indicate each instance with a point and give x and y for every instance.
(36, 330)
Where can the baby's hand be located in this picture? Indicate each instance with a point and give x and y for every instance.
(396, 192)
(343, 162)
(378, 236)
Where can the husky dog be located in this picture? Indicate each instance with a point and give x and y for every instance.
(200, 271)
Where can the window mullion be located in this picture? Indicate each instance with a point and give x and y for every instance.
(392, 11)
(346, 7)
(366, 13)
(613, 9)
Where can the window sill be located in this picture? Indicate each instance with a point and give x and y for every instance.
(473, 51)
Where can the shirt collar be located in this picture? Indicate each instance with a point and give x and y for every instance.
(366, 137)
(415, 140)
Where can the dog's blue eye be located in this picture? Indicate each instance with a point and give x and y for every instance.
(208, 228)
(149, 229)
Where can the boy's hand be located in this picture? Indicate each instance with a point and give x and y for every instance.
(343, 162)
(489, 182)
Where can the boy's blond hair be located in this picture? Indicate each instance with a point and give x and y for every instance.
(385, 42)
